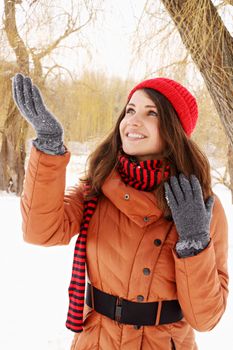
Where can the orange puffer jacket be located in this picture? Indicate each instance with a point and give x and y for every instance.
(120, 244)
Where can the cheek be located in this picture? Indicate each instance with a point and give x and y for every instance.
(157, 136)
(121, 127)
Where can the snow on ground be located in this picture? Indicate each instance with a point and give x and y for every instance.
(34, 283)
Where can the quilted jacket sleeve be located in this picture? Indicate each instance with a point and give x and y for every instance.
(202, 280)
(50, 215)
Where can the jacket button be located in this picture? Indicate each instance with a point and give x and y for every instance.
(136, 326)
(140, 298)
(126, 196)
(157, 242)
(146, 271)
(146, 219)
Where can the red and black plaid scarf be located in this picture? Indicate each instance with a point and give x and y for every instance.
(142, 175)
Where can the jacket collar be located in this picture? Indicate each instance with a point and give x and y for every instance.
(139, 206)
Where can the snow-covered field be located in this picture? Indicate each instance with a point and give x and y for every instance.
(34, 283)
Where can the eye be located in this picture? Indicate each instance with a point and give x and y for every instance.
(153, 113)
(129, 110)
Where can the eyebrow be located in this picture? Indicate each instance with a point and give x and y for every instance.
(149, 106)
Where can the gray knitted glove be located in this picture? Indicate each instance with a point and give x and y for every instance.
(190, 213)
(29, 102)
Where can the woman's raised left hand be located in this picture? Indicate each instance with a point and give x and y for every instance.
(190, 213)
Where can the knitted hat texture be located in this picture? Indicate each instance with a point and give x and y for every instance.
(181, 99)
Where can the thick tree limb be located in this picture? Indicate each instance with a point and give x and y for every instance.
(13, 36)
(211, 47)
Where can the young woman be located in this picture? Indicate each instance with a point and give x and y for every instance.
(152, 234)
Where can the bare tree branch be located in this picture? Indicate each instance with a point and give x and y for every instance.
(59, 67)
(33, 2)
(228, 2)
(70, 29)
(220, 178)
(184, 62)
(13, 36)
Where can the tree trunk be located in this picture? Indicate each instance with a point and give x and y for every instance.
(230, 168)
(12, 153)
(211, 48)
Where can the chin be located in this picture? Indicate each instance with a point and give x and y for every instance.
(129, 152)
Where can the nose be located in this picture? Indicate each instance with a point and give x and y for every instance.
(135, 119)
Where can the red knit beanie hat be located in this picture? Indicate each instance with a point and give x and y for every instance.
(181, 99)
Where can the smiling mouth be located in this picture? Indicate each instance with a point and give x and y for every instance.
(135, 136)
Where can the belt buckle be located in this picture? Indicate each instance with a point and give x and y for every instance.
(118, 309)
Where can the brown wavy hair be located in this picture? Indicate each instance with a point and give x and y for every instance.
(181, 153)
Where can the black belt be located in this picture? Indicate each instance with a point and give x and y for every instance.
(130, 312)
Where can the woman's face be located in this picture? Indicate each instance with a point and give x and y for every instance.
(139, 129)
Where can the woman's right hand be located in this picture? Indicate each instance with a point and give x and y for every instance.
(30, 104)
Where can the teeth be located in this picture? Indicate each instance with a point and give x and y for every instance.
(136, 136)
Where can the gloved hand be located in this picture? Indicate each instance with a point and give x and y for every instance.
(29, 102)
(190, 213)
